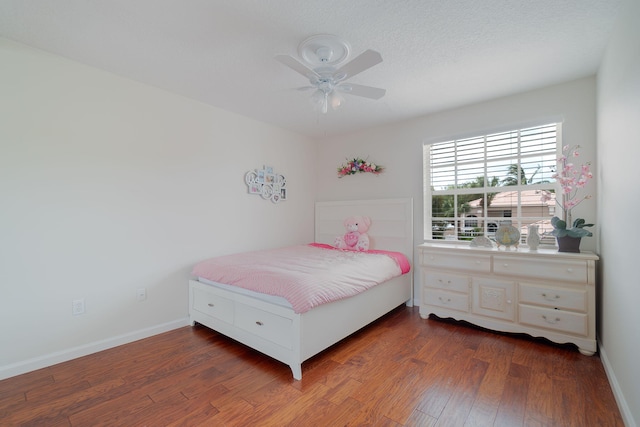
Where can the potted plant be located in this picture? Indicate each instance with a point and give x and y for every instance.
(569, 238)
(571, 179)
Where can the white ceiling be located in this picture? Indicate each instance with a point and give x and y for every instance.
(438, 54)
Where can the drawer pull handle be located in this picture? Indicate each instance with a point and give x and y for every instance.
(477, 262)
(259, 323)
(211, 304)
(548, 298)
(551, 321)
(509, 301)
(444, 301)
(569, 270)
(505, 265)
(448, 282)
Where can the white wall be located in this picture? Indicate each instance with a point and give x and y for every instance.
(106, 186)
(619, 198)
(399, 147)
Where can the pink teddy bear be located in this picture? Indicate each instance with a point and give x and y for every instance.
(356, 237)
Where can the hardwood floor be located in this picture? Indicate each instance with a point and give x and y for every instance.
(400, 371)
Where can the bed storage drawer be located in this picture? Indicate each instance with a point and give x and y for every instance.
(213, 305)
(269, 326)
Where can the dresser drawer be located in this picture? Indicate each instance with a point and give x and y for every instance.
(558, 320)
(269, 326)
(554, 297)
(479, 263)
(450, 300)
(564, 270)
(213, 305)
(446, 281)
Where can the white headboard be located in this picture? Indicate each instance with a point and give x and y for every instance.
(391, 222)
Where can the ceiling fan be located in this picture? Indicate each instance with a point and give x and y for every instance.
(323, 53)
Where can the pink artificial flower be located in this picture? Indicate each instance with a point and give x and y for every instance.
(571, 203)
(571, 179)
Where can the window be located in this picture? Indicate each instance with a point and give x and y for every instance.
(473, 184)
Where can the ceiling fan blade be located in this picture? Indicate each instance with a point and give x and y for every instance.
(365, 60)
(360, 90)
(296, 65)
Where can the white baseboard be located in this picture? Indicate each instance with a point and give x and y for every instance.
(84, 350)
(627, 417)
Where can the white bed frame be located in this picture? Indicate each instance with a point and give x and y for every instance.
(293, 338)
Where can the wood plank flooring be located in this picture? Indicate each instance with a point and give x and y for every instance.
(400, 371)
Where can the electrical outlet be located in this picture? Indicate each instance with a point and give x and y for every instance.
(141, 294)
(77, 307)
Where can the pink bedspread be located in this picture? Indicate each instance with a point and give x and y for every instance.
(305, 275)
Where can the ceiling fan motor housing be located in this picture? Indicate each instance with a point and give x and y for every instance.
(324, 49)
(324, 54)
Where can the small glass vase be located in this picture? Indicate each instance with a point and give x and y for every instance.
(569, 244)
(533, 238)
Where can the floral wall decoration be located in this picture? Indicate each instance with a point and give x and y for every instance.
(266, 183)
(358, 165)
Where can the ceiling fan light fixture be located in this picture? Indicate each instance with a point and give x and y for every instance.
(336, 100)
(317, 96)
(319, 101)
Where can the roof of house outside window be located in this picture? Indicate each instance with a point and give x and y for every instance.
(529, 198)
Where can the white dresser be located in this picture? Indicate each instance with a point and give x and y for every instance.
(544, 294)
